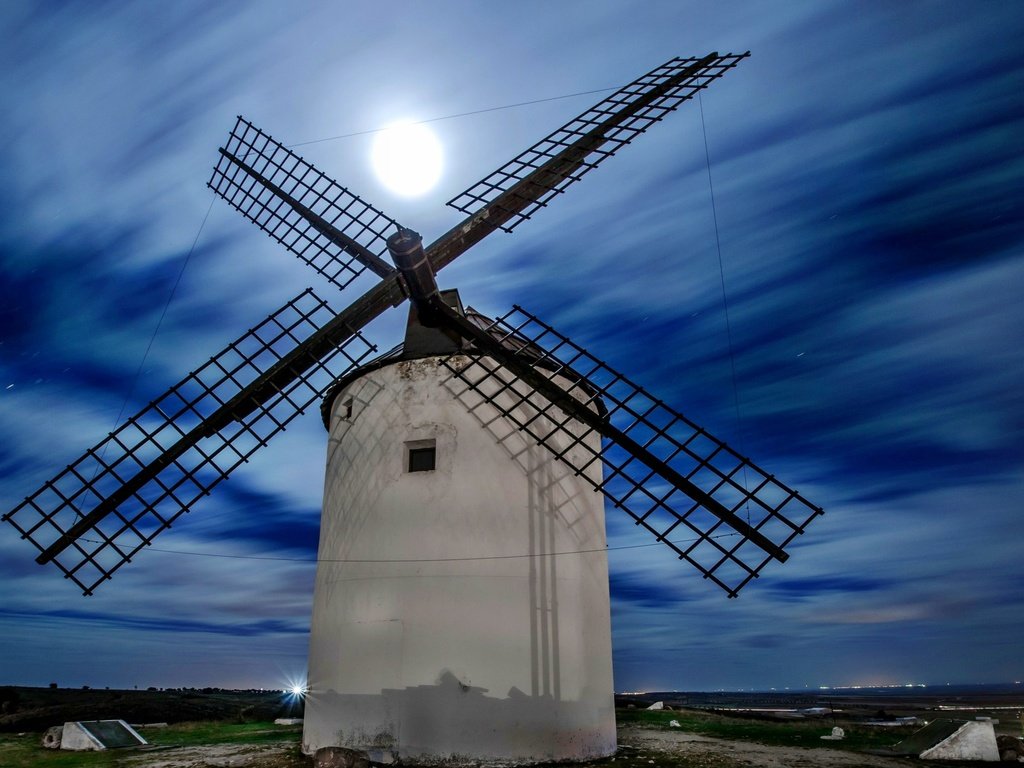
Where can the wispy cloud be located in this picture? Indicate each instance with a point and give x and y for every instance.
(866, 164)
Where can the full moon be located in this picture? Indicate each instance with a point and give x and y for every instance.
(407, 158)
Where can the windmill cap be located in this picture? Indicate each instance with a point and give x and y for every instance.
(404, 241)
(513, 342)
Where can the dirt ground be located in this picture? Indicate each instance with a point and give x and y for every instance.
(638, 748)
(221, 756)
(642, 745)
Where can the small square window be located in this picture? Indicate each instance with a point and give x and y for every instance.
(422, 456)
(347, 408)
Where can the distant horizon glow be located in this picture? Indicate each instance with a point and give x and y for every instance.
(819, 688)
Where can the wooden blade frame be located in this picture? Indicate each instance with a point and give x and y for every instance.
(101, 510)
(725, 515)
(291, 200)
(515, 191)
(337, 233)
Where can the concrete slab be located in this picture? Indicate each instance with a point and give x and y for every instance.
(952, 740)
(85, 735)
(973, 741)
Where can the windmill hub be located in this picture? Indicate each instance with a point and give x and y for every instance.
(406, 249)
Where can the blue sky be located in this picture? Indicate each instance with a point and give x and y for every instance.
(868, 176)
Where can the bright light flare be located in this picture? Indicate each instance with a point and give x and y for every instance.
(407, 158)
(295, 688)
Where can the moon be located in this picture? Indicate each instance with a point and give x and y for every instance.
(407, 158)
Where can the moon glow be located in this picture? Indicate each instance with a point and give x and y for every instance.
(407, 159)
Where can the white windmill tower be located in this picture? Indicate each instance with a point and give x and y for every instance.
(461, 605)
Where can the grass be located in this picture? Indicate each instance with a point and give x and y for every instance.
(777, 733)
(25, 751)
(188, 734)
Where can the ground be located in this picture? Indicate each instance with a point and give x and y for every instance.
(185, 745)
(647, 745)
(644, 747)
(238, 732)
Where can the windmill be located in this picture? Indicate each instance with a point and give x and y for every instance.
(461, 605)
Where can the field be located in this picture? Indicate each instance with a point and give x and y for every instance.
(232, 729)
(207, 727)
(770, 732)
(254, 745)
(36, 709)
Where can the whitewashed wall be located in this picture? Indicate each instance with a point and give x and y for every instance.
(456, 659)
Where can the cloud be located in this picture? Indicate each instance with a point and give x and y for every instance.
(167, 624)
(866, 172)
(795, 589)
(250, 515)
(643, 590)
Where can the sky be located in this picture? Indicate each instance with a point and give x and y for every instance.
(848, 313)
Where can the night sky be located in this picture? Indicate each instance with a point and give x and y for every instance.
(868, 175)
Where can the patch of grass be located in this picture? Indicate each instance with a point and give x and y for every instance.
(778, 733)
(188, 734)
(26, 752)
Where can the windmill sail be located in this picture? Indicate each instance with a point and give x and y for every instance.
(713, 507)
(335, 232)
(585, 142)
(102, 509)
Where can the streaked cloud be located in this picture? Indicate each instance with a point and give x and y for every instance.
(867, 169)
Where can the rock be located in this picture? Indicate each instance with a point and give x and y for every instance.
(52, 737)
(674, 724)
(288, 721)
(339, 757)
(232, 761)
(657, 705)
(1010, 747)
